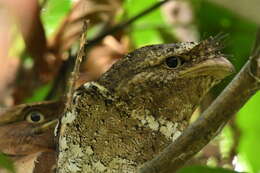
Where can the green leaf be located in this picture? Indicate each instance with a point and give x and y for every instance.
(52, 14)
(6, 163)
(40, 93)
(248, 120)
(226, 142)
(220, 20)
(143, 30)
(204, 169)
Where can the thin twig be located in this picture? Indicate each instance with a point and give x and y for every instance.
(75, 72)
(123, 24)
(211, 122)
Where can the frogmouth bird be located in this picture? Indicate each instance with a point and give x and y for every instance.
(27, 130)
(138, 107)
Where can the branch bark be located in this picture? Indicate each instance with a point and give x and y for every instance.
(201, 132)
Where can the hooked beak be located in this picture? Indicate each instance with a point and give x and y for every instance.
(217, 67)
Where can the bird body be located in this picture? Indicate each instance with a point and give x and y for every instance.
(138, 107)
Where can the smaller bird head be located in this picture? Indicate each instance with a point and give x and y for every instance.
(29, 128)
(171, 77)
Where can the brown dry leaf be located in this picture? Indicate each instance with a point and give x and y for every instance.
(48, 60)
(102, 57)
(102, 11)
(8, 64)
(71, 27)
(27, 14)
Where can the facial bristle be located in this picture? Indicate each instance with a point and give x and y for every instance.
(219, 41)
(212, 45)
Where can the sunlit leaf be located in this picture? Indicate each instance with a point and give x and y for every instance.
(226, 142)
(144, 29)
(53, 12)
(249, 120)
(39, 94)
(204, 169)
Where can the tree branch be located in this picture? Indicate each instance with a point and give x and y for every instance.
(75, 71)
(211, 122)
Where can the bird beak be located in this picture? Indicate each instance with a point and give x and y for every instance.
(217, 67)
(46, 126)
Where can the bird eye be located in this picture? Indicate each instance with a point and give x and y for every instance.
(173, 61)
(35, 117)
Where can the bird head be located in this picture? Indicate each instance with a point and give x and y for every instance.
(29, 128)
(170, 79)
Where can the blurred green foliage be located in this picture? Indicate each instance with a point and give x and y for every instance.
(204, 169)
(40, 94)
(53, 13)
(6, 163)
(212, 20)
(144, 30)
(249, 120)
(226, 141)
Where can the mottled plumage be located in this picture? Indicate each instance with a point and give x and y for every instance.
(138, 107)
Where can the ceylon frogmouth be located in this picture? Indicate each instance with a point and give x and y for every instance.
(27, 130)
(138, 107)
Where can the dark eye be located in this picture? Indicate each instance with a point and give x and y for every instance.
(173, 61)
(35, 117)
